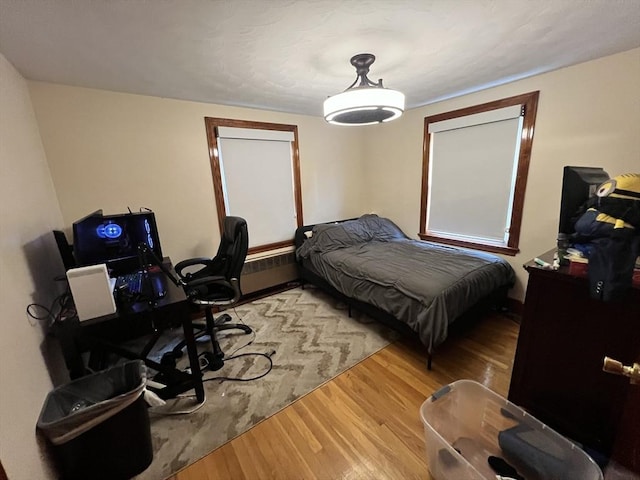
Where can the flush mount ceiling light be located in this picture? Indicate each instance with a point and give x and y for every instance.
(365, 103)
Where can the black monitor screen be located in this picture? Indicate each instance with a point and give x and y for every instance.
(114, 239)
(579, 184)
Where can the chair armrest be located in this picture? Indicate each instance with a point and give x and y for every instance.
(217, 280)
(178, 267)
(233, 284)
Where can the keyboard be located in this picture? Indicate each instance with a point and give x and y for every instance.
(133, 282)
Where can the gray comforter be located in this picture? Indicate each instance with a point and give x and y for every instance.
(425, 285)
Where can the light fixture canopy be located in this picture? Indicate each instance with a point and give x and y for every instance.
(364, 103)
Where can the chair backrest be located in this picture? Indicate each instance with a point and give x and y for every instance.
(233, 248)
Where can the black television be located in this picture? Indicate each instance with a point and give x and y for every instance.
(579, 184)
(114, 239)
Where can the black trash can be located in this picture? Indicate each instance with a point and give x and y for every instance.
(98, 425)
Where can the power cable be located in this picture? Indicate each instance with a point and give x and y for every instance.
(239, 379)
(62, 304)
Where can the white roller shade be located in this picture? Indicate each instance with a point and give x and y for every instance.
(471, 176)
(255, 134)
(506, 113)
(257, 179)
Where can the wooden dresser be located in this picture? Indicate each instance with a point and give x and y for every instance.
(557, 373)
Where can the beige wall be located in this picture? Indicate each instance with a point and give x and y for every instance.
(588, 114)
(28, 263)
(112, 151)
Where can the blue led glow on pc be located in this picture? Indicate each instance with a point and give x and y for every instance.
(147, 228)
(114, 239)
(110, 230)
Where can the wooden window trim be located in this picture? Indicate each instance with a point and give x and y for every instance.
(211, 123)
(529, 101)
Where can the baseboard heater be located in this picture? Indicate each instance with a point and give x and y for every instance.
(268, 272)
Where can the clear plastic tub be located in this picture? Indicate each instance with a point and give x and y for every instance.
(465, 423)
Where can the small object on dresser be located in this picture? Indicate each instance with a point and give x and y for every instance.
(578, 266)
(542, 263)
(563, 245)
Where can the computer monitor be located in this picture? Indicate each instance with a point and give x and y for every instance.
(82, 235)
(114, 239)
(579, 184)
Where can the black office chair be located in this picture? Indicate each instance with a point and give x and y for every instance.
(217, 284)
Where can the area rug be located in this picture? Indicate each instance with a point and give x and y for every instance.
(314, 340)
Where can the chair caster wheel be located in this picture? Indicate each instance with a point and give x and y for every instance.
(168, 360)
(214, 362)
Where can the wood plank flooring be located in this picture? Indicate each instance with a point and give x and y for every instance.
(365, 423)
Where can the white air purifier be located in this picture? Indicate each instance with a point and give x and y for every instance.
(92, 291)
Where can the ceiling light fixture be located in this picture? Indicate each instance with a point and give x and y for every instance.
(366, 103)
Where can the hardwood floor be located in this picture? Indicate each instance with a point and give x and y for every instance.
(365, 423)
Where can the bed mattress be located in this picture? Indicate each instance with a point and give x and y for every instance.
(424, 285)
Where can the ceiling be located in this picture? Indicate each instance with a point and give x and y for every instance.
(289, 55)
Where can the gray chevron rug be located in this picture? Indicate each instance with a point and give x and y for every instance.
(314, 340)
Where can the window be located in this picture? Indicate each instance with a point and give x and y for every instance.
(474, 174)
(256, 176)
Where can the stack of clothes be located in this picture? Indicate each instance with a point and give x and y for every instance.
(608, 233)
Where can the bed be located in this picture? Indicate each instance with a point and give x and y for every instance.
(417, 287)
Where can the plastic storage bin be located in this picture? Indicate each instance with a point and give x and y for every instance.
(98, 425)
(465, 423)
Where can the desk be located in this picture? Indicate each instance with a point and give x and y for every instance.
(134, 321)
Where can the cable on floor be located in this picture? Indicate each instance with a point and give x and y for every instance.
(180, 412)
(240, 379)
